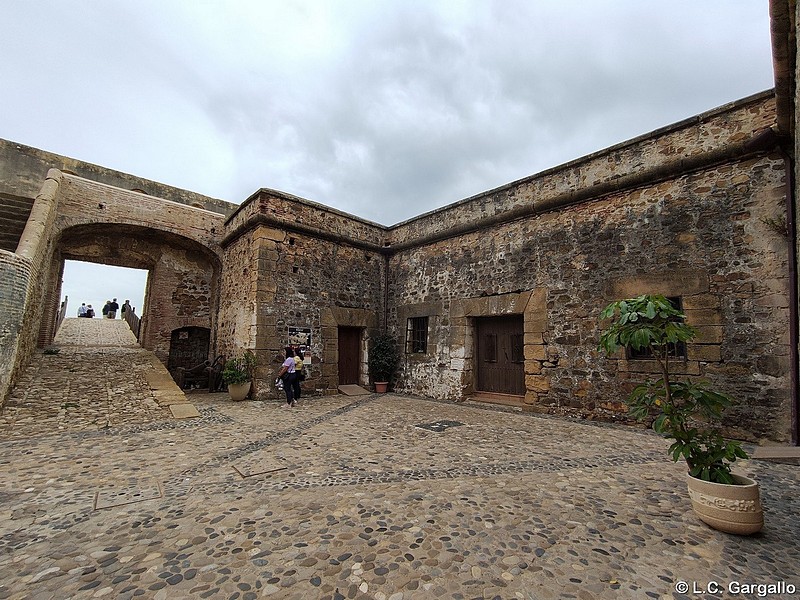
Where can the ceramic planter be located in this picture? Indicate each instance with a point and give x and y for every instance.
(238, 391)
(729, 508)
(381, 387)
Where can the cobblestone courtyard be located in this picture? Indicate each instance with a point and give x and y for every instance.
(349, 498)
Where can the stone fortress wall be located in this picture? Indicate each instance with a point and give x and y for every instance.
(683, 211)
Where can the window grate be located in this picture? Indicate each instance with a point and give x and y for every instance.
(417, 335)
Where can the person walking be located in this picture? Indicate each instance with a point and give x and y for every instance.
(287, 374)
(89, 312)
(299, 374)
(82, 310)
(105, 309)
(113, 307)
(125, 308)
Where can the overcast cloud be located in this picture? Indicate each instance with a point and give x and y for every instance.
(383, 109)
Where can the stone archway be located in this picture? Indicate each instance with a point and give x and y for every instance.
(183, 280)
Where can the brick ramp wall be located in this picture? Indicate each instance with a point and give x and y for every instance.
(14, 214)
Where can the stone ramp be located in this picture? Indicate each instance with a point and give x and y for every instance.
(94, 332)
(116, 333)
(75, 386)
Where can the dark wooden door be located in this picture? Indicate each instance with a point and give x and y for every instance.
(349, 355)
(499, 355)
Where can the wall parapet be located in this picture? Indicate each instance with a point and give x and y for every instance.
(15, 346)
(731, 131)
(290, 213)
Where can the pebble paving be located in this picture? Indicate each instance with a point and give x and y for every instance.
(348, 498)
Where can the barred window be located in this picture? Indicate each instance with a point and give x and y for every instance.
(417, 335)
(677, 350)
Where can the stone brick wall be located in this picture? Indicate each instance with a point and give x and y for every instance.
(24, 277)
(645, 157)
(177, 244)
(702, 235)
(22, 169)
(15, 281)
(292, 263)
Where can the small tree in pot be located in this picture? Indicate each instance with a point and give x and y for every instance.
(680, 410)
(238, 373)
(383, 361)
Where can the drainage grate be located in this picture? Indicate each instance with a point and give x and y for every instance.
(128, 494)
(439, 426)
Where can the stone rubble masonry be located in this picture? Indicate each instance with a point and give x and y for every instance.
(23, 167)
(297, 260)
(700, 234)
(682, 211)
(23, 286)
(177, 244)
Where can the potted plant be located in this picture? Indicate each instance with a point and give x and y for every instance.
(382, 361)
(237, 374)
(687, 412)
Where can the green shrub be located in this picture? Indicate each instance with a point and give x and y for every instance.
(239, 369)
(677, 408)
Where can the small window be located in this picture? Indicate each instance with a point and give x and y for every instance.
(673, 350)
(417, 335)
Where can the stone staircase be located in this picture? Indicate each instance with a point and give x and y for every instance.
(14, 212)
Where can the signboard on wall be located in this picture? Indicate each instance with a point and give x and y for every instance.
(299, 336)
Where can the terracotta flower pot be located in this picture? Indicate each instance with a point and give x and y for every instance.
(729, 508)
(381, 387)
(238, 391)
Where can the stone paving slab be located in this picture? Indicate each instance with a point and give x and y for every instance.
(184, 411)
(353, 390)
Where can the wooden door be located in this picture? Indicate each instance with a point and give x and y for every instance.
(349, 355)
(499, 355)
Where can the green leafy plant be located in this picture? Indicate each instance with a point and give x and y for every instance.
(680, 410)
(384, 358)
(239, 369)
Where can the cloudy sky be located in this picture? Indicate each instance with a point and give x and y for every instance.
(382, 108)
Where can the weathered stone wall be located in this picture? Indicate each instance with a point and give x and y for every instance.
(25, 274)
(641, 159)
(277, 209)
(236, 330)
(702, 235)
(301, 265)
(177, 244)
(23, 168)
(15, 280)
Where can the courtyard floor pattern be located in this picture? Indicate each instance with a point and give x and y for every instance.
(346, 497)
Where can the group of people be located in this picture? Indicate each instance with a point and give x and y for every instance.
(291, 374)
(85, 311)
(109, 310)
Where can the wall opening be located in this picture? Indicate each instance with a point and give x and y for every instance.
(93, 283)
